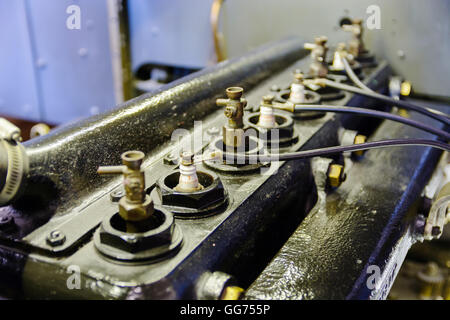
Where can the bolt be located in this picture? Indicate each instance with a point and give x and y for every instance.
(6, 222)
(358, 140)
(336, 175)
(56, 238)
(116, 195)
(405, 88)
(419, 225)
(170, 159)
(82, 52)
(211, 286)
(232, 293)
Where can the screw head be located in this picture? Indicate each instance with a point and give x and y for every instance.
(116, 195)
(170, 159)
(56, 238)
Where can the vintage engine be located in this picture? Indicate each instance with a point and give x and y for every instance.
(134, 204)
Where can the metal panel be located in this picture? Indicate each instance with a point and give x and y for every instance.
(176, 33)
(51, 73)
(74, 66)
(414, 34)
(18, 92)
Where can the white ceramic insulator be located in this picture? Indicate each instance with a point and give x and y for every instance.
(297, 93)
(188, 181)
(338, 64)
(266, 117)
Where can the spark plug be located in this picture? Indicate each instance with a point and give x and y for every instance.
(297, 94)
(188, 181)
(266, 116)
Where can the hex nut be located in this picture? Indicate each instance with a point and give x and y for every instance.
(336, 175)
(211, 285)
(204, 201)
(116, 195)
(161, 238)
(358, 140)
(56, 238)
(233, 137)
(232, 293)
(135, 211)
(285, 127)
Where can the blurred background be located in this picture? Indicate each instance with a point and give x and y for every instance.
(59, 64)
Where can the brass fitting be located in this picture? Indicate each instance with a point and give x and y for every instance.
(319, 49)
(446, 294)
(298, 77)
(336, 175)
(233, 131)
(356, 45)
(405, 89)
(232, 293)
(136, 205)
(358, 140)
(431, 281)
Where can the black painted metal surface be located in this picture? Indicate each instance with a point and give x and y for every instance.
(63, 163)
(241, 241)
(328, 255)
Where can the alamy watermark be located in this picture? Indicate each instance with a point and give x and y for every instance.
(73, 21)
(373, 21)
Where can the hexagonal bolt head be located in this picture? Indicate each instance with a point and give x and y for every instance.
(56, 238)
(336, 175)
(212, 193)
(358, 140)
(130, 211)
(233, 137)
